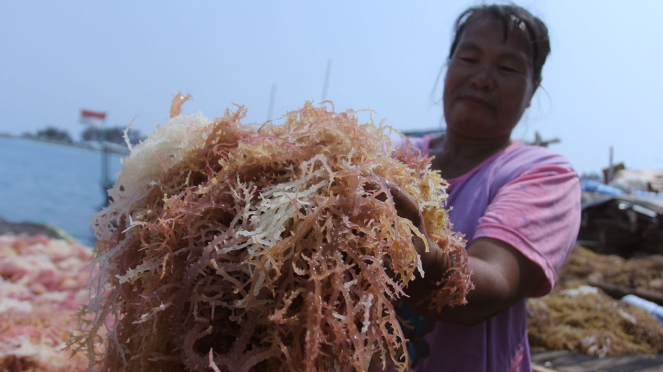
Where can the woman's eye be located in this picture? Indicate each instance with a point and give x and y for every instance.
(507, 69)
(467, 59)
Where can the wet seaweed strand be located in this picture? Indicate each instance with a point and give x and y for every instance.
(232, 248)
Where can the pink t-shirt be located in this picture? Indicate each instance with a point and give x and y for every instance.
(528, 197)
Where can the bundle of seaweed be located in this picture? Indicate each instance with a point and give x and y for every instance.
(237, 247)
(581, 318)
(643, 273)
(42, 284)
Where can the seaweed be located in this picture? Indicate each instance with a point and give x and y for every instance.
(642, 273)
(581, 318)
(42, 283)
(233, 247)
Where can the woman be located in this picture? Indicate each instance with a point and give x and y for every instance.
(517, 205)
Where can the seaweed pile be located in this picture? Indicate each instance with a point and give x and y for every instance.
(643, 273)
(581, 318)
(42, 284)
(244, 247)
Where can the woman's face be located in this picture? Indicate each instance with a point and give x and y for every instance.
(489, 83)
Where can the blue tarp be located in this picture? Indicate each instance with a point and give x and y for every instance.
(596, 186)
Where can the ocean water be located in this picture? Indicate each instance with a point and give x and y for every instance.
(53, 184)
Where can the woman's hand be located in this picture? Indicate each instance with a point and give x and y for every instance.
(434, 261)
(502, 276)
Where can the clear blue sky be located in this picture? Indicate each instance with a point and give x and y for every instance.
(601, 83)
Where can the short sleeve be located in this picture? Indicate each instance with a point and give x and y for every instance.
(538, 213)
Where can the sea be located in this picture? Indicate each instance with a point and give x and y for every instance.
(53, 184)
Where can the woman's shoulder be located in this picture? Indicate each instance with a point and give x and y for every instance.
(520, 155)
(520, 158)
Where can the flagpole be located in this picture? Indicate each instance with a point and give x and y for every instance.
(104, 163)
(272, 97)
(86, 116)
(326, 84)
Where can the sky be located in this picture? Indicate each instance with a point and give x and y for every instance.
(601, 84)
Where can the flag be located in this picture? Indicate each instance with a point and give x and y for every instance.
(94, 118)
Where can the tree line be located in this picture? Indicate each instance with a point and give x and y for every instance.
(112, 134)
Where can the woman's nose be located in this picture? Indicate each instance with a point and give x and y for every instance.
(483, 78)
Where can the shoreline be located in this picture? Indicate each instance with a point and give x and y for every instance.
(31, 229)
(110, 147)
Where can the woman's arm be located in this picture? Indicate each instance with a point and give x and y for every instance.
(502, 276)
(520, 243)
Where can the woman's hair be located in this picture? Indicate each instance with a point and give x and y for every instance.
(510, 15)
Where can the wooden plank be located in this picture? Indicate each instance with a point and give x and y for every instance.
(538, 368)
(569, 361)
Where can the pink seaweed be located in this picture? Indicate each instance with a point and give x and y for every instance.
(263, 251)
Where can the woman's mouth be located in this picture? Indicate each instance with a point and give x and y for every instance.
(473, 101)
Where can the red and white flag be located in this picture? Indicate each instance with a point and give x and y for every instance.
(94, 118)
